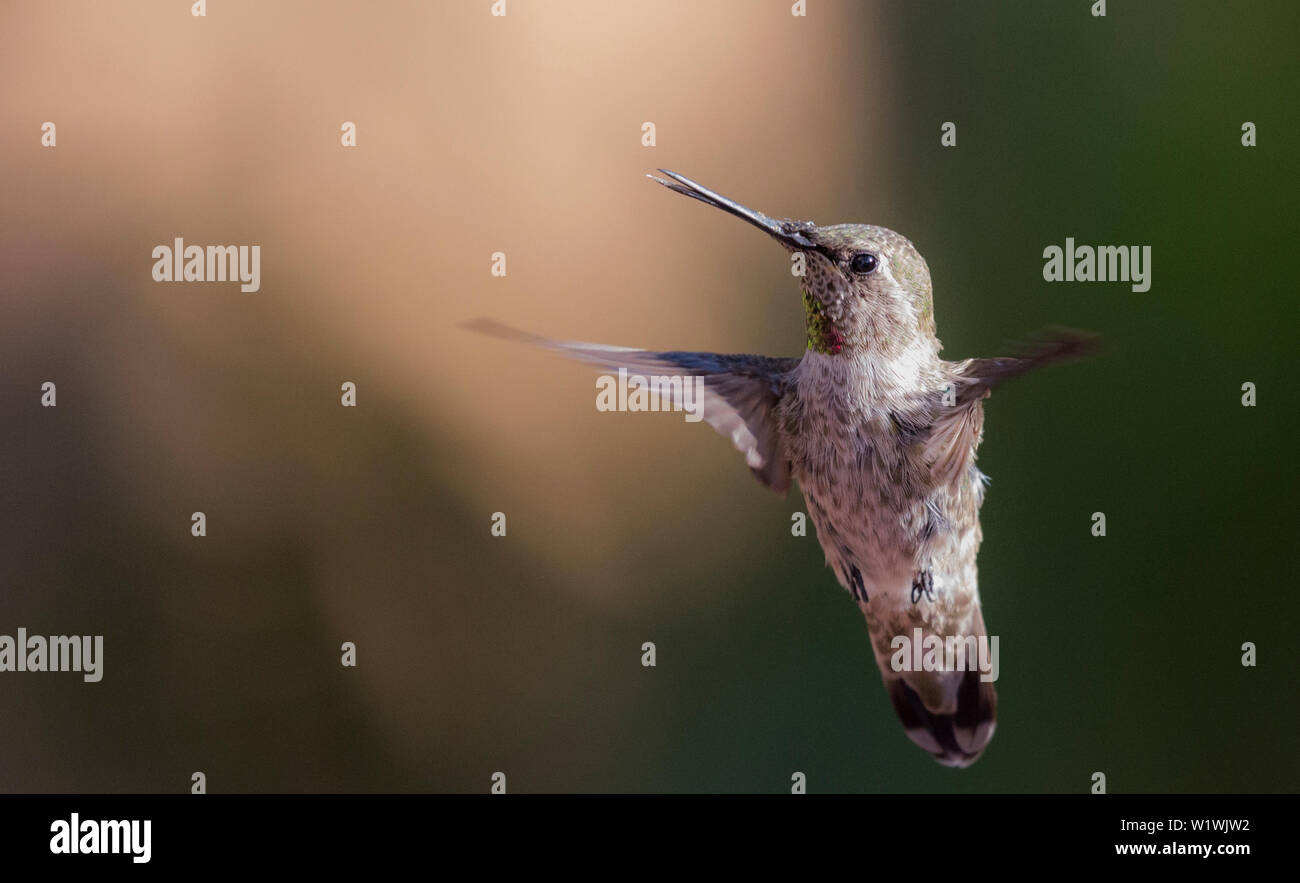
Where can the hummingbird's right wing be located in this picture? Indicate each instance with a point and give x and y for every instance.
(740, 391)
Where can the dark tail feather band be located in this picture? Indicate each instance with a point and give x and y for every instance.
(956, 739)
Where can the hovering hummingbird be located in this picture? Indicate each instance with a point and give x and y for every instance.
(881, 434)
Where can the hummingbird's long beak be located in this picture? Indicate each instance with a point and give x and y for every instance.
(792, 234)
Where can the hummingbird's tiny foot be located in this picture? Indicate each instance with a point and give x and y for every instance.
(856, 586)
(923, 584)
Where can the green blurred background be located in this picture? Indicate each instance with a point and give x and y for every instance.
(522, 134)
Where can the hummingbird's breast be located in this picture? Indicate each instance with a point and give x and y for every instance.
(904, 546)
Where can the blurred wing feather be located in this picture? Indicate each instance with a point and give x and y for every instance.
(740, 391)
(955, 429)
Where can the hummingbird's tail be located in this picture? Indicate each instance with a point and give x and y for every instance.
(956, 738)
(956, 719)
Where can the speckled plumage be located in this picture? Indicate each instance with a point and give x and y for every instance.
(881, 434)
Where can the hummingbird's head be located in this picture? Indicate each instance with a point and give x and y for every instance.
(865, 288)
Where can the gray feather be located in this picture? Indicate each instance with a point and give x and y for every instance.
(741, 392)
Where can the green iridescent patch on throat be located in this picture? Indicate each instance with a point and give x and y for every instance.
(823, 337)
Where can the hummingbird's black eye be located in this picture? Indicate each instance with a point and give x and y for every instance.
(863, 263)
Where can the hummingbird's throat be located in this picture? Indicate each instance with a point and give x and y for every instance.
(823, 337)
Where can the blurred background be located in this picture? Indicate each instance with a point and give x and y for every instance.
(522, 134)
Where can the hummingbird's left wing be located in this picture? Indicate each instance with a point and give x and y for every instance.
(977, 377)
(954, 424)
(740, 391)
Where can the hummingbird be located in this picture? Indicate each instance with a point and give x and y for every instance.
(881, 435)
